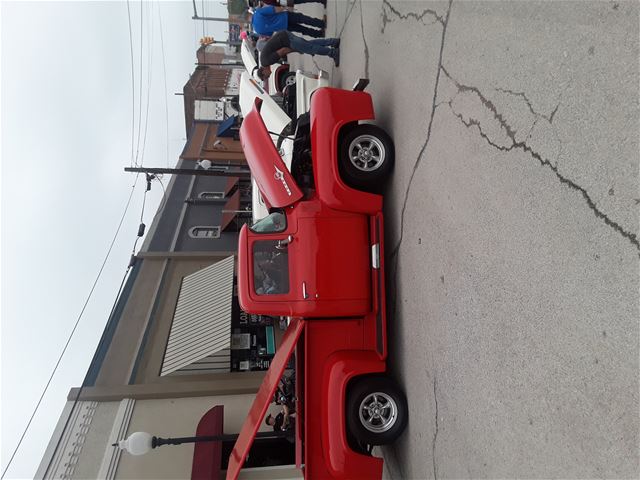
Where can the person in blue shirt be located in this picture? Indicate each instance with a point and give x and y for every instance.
(270, 19)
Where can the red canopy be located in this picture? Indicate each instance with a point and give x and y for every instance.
(263, 398)
(207, 455)
(230, 210)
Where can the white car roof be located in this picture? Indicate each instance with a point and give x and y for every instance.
(273, 116)
(246, 51)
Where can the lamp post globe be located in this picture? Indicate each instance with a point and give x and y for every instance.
(205, 164)
(138, 443)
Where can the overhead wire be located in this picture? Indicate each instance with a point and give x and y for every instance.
(149, 76)
(164, 73)
(75, 326)
(133, 84)
(140, 83)
(133, 160)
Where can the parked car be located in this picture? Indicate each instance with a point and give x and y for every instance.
(280, 124)
(318, 258)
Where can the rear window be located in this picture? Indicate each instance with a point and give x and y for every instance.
(270, 268)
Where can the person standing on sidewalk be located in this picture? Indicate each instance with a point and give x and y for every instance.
(282, 43)
(269, 19)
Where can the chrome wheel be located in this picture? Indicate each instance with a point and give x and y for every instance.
(378, 412)
(366, 153)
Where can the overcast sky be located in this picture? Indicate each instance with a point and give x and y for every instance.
(68, 105)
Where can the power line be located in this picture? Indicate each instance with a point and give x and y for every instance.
(133, 83)
(140, 83)
(149, 76)
(75, 326)
(166, 91)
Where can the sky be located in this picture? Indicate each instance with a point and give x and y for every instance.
(74, 113)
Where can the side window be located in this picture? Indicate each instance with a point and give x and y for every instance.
(211, 195)
(273, 223)
(270, 267)
(204, 232)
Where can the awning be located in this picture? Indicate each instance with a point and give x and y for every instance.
(226, 128)
(263, 398)
(231, 182)
(230, 210)
(207, 456)
(202, 320)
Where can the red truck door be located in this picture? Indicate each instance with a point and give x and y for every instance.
(330, 259)
(306, 264)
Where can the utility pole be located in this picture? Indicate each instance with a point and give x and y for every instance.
(216, 170)
(214, 19)
(218, 42)
(204, 64)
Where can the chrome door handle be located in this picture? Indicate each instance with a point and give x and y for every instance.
(282, 244)
(305, 295)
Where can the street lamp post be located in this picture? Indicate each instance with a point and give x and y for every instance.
(140, 443)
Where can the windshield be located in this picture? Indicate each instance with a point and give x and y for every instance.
(273, 223)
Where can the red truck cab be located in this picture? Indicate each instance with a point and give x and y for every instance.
(318, 259)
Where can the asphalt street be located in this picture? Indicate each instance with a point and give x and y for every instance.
(512, 223)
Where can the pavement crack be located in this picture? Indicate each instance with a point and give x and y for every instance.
(395, 250)
(511, 133)
(346, 19)
(435, 433)
(366, 47)
(472, 122)
(419, 17)
(548, 118)
(522, 145)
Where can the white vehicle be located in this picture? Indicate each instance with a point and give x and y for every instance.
(277, 111)
(297, 95)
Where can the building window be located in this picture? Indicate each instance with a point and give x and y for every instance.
(204, 232)
(211, 195)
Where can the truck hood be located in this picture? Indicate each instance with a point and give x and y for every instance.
(263, 398)
(267, 167)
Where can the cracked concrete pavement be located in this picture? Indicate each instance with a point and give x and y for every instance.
(512, 229)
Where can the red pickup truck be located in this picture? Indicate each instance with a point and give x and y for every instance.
(318, 259)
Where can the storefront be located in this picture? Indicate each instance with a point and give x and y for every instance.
(254, 339)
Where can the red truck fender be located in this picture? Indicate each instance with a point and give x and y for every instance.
(339, 369)
(331, 109)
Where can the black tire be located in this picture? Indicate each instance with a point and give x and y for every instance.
(288, 78)
(366, 155)
(377, 411)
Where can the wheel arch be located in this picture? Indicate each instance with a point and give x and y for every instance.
(331, 111)
(340, 369)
